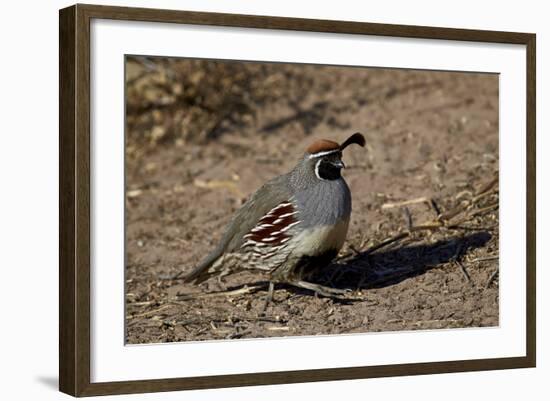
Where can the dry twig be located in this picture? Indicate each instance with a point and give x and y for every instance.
(443, 220)
(485, 259)
(239, 291)
(404, 203)
(491, 278)
(464, 271)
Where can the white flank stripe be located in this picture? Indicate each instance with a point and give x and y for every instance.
(249, 242)
(261, 227)
(282, 217)
(289, 226)
(280, 205)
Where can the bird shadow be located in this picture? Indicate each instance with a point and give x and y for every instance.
(385, 268)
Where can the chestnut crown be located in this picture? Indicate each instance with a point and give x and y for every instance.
(324, 146)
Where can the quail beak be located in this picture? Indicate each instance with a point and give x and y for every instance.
(339, 164)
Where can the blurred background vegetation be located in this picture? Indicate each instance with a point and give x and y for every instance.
(172, 100)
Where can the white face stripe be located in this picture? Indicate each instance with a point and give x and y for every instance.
(319, 154)
(317, 170)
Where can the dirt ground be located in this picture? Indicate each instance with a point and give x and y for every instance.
(203, 135)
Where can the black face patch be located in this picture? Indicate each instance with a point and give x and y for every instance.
(329, 167)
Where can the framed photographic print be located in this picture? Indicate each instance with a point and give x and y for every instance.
(250, 200)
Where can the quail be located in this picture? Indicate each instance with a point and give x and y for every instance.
(291, 226)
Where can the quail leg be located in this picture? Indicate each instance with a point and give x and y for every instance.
(221, 278)
(269, 296)
(320, 289)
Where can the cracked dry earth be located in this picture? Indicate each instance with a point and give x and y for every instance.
(431, 136)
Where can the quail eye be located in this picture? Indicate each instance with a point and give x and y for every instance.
(328, 169)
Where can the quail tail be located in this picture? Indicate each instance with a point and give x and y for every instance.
(203, 270)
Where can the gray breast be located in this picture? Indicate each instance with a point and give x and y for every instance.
(325, 203)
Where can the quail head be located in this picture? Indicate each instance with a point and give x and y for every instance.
(292, 225)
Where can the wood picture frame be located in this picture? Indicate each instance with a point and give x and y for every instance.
(74, 199)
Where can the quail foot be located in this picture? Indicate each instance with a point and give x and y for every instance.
(291, 226)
